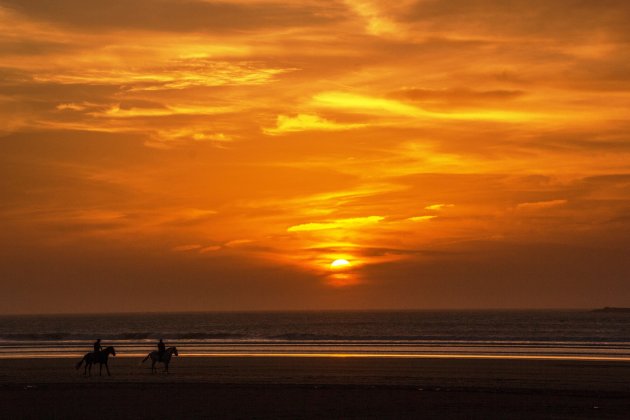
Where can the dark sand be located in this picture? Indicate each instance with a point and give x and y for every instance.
(335, 388)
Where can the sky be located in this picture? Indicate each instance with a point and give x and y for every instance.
(192, 155)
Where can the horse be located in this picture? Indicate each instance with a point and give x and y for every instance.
(101, 358)
(166, 358)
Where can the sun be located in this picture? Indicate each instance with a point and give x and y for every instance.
(340, 263)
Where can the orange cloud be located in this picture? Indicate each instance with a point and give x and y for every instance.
(305, 122)
(421, 218)
(337, 224)
(438, 206)
(540, 205)
(184, 248)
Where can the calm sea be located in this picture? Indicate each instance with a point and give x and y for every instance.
(571, 334)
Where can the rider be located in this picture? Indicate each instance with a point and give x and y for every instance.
(97, 347)
(161, 349)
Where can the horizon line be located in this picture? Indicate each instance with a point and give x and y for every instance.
(227, 311)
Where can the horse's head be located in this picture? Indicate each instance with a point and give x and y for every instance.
(111, 350)
(175, 351)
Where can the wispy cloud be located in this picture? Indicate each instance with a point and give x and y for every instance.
(238, 242)
(336, 224)
(375, 22)
(351, 102)
(185, 248)
(174, 74)
(438, 206)
(306, 122)
(540, 205)
(117, 112)
(421, 218)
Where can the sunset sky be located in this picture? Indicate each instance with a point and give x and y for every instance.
(163, 155)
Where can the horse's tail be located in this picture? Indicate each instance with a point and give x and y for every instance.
(145, 359)
(80, 363)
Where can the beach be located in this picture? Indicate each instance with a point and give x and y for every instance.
(318, 387)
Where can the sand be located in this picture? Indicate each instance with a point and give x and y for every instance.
(318, 387)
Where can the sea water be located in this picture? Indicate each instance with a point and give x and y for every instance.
(526, 333)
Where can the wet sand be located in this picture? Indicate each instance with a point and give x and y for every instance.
(324, 387)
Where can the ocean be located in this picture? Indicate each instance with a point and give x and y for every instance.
(489, 333)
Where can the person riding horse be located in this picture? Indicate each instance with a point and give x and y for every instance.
(166, 358)
(161, 349)
(99, 356)
(97, 347)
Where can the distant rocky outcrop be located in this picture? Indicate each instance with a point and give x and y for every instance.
(610, 309)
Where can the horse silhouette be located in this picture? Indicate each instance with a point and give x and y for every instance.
(101, 358)
(166, 358)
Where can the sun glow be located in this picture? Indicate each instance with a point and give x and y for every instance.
(340, 263)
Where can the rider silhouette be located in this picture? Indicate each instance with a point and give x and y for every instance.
(97, 347)
(161, 349)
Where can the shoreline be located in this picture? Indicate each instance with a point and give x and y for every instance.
(343, 355)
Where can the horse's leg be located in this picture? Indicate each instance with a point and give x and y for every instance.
(166, 367)
(90, 370)
(153, 369)
(107, 367)
(100, 369)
